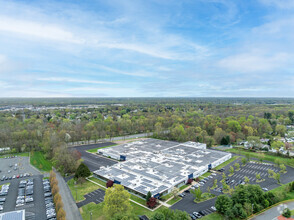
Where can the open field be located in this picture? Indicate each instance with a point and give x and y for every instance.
(38, 160)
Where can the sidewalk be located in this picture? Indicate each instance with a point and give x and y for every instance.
(70, 207)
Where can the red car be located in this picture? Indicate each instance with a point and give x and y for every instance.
(17, 176)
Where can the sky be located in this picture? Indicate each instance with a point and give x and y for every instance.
(154, 48)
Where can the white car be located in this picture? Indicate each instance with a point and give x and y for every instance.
(265, 189)
(1, 207)
(213, 208)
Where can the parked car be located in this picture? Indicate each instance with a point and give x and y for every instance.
(192, 217)
(197, 215)
(213, 208)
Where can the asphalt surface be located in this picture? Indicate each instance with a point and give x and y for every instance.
(34, 210)
(94, 162)
(274, 212)
(250, 169)
(70, 207)
(96, 196)
(23, 166)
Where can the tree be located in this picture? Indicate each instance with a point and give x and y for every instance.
(237, 165)
(277, 145)
(223, 203)
(246, 180)
(109, 183)
(214, 184)
(152, 202)
(231, 170)
(281, 130)
(283, 168)
(277, 176)
(55, 189)
(116, 200)
(286, 213)
(197, 193)
(61, 214)
(244, 161)
(58, 205)
(148, 196)
(158, 216)
(278, 162)
(82, 171)
(270, 173)
(175, 192)
(254, 141)
(234, 126)
(225, 140)
(258, 176)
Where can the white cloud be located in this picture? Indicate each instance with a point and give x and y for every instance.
(129, 73)
(35, 29)
(254, 62)
(284, 4)
(64, 79)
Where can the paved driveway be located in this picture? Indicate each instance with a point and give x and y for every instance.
(94, 162)
(274, 212)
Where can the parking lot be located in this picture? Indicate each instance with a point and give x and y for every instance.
(94, 162)
(12, 167)
(249, 170)
(96, 196)
(25, 191)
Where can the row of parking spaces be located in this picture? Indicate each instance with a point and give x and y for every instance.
(96, 196)
(50, 207)
(25, 193)
(202, 213)
(3, 193)
(15, 176)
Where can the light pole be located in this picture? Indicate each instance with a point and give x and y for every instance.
(91, 215)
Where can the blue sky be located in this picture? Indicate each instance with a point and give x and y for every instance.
(139, 48)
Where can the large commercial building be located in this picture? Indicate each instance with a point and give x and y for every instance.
(14, 215)
(158, 166)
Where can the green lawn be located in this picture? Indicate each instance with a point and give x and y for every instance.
(138, 199)
(40, 162)
(226, 163)
(166, 197)
(81, 189)
(183, 187)
(271, 158)
(174, 200)
(213, 216)
(94, 150)
(98, 181)
(97, 211)
(23, 154)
